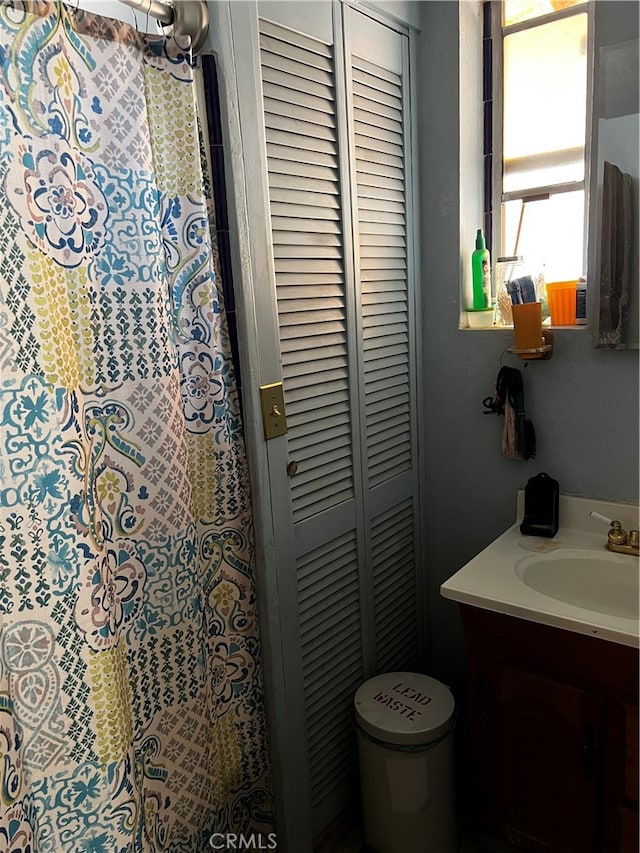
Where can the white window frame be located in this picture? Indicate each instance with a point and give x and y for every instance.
(498, 197)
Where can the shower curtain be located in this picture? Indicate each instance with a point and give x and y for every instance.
(131, 705)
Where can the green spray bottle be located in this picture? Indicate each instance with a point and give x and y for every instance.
(481, 274)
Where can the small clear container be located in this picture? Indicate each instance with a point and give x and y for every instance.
(507, 269)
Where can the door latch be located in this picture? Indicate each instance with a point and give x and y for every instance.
(274, 418)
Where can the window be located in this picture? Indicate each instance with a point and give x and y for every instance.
(536, 120)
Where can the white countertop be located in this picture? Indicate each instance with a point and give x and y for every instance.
(491, 582)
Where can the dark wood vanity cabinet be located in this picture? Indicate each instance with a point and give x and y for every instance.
(541, 750)
(553, 737)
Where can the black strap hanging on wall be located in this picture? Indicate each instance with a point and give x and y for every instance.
(519, 437)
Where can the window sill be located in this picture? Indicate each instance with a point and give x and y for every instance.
(464, 327)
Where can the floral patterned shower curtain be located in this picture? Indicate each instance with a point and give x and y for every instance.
(131, 713)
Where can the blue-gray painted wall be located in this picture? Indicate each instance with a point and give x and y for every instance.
(583, 402)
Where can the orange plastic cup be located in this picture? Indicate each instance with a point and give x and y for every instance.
(561, 296)
(527, 328)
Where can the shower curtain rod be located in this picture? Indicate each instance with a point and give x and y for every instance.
(187, 17)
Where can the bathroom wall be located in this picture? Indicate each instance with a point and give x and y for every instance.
(584, 402)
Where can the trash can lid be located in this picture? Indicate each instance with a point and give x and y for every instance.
(404, 708)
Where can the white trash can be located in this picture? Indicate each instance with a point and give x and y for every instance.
(405, 745)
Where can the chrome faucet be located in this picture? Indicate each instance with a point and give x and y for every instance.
(619, 540)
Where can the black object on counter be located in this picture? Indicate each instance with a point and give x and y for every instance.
(541, 499)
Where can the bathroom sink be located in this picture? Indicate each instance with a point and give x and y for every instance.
(598, 581)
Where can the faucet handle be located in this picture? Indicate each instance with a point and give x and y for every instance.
(617, 536)
(601, 517)
(633, 538)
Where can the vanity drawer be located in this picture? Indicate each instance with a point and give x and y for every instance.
(631, 754)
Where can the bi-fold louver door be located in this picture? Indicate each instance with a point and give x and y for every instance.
(335, 110)
(379, 134)
(315, 311)
(341, 247)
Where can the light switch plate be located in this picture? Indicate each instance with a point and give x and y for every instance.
(274, 418)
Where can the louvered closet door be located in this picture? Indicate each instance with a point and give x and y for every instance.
(315, 315)
(307, 233)
(337, 195)
(379, 135)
